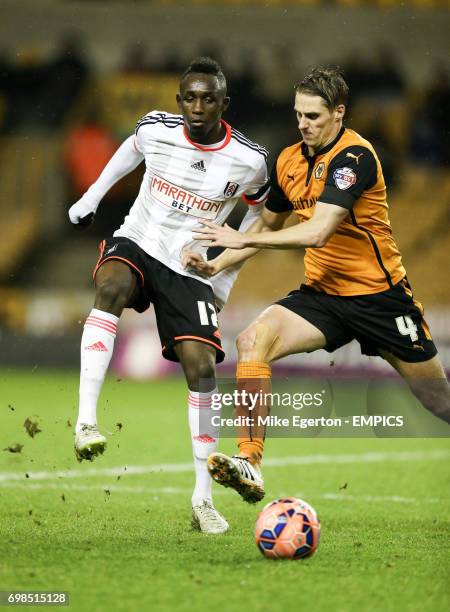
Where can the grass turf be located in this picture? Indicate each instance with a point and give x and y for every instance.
(123, 541)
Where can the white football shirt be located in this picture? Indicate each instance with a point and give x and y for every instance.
(223, 282)
(185, 183)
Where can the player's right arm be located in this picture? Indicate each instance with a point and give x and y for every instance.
(124, 161)
(267, 221)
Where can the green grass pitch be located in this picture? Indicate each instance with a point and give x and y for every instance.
(121, 540)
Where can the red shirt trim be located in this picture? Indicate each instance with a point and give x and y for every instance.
(253, 202)
(207, 148)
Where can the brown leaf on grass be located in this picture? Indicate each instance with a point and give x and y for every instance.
(31, 427)
(344, 486)
(17, 448)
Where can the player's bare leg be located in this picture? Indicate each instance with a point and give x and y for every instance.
(428, 382)
(276, 333)
(116, 285)
(198, 361)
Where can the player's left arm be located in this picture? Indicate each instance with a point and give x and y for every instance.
(313, 233)
(350, 172)
(262, 221)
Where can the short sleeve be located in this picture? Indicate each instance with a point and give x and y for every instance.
(277, 201)
(259, 187)
(351, 172)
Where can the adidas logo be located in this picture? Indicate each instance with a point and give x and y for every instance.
(199, 166)
(97, 346)
(204, 438)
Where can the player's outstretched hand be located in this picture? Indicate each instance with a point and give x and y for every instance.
(81, 214)
(220, 235)
(194, 261)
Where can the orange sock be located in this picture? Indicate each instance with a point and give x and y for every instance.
(253, 378)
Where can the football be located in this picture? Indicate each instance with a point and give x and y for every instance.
(287, 529)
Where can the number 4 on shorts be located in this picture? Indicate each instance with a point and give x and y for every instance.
(407, 327)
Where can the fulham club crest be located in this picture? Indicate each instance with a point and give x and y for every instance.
(230, 189)
(319, 170)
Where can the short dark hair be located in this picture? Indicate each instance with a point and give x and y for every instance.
(327, 82)
(206, 65)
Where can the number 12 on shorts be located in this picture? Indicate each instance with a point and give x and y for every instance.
(207, 318)
(407, 327)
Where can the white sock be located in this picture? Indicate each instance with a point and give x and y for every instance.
(205, 438)
(97, 345)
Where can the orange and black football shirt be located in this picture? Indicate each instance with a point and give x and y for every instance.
(361, 257)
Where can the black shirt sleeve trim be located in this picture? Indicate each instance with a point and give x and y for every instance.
(355, 165)
(259, 194)
(333, 195)
(277, 201)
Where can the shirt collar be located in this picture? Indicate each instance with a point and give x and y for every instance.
(215, 146)
(325, 149)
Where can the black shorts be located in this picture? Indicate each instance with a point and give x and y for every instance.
(390, 321)
(184, 306)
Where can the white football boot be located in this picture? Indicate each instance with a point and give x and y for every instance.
(205, 518)
(239, 474)
(89, 442)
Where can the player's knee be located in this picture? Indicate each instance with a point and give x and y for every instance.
(435, 396)
(112, 293)
(200, 370)
(206, 367)
(245, 341)
(255, 342)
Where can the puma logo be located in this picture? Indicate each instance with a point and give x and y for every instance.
(348, 154)
(291, 177)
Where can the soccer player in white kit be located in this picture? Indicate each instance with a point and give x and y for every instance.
(197, 167)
